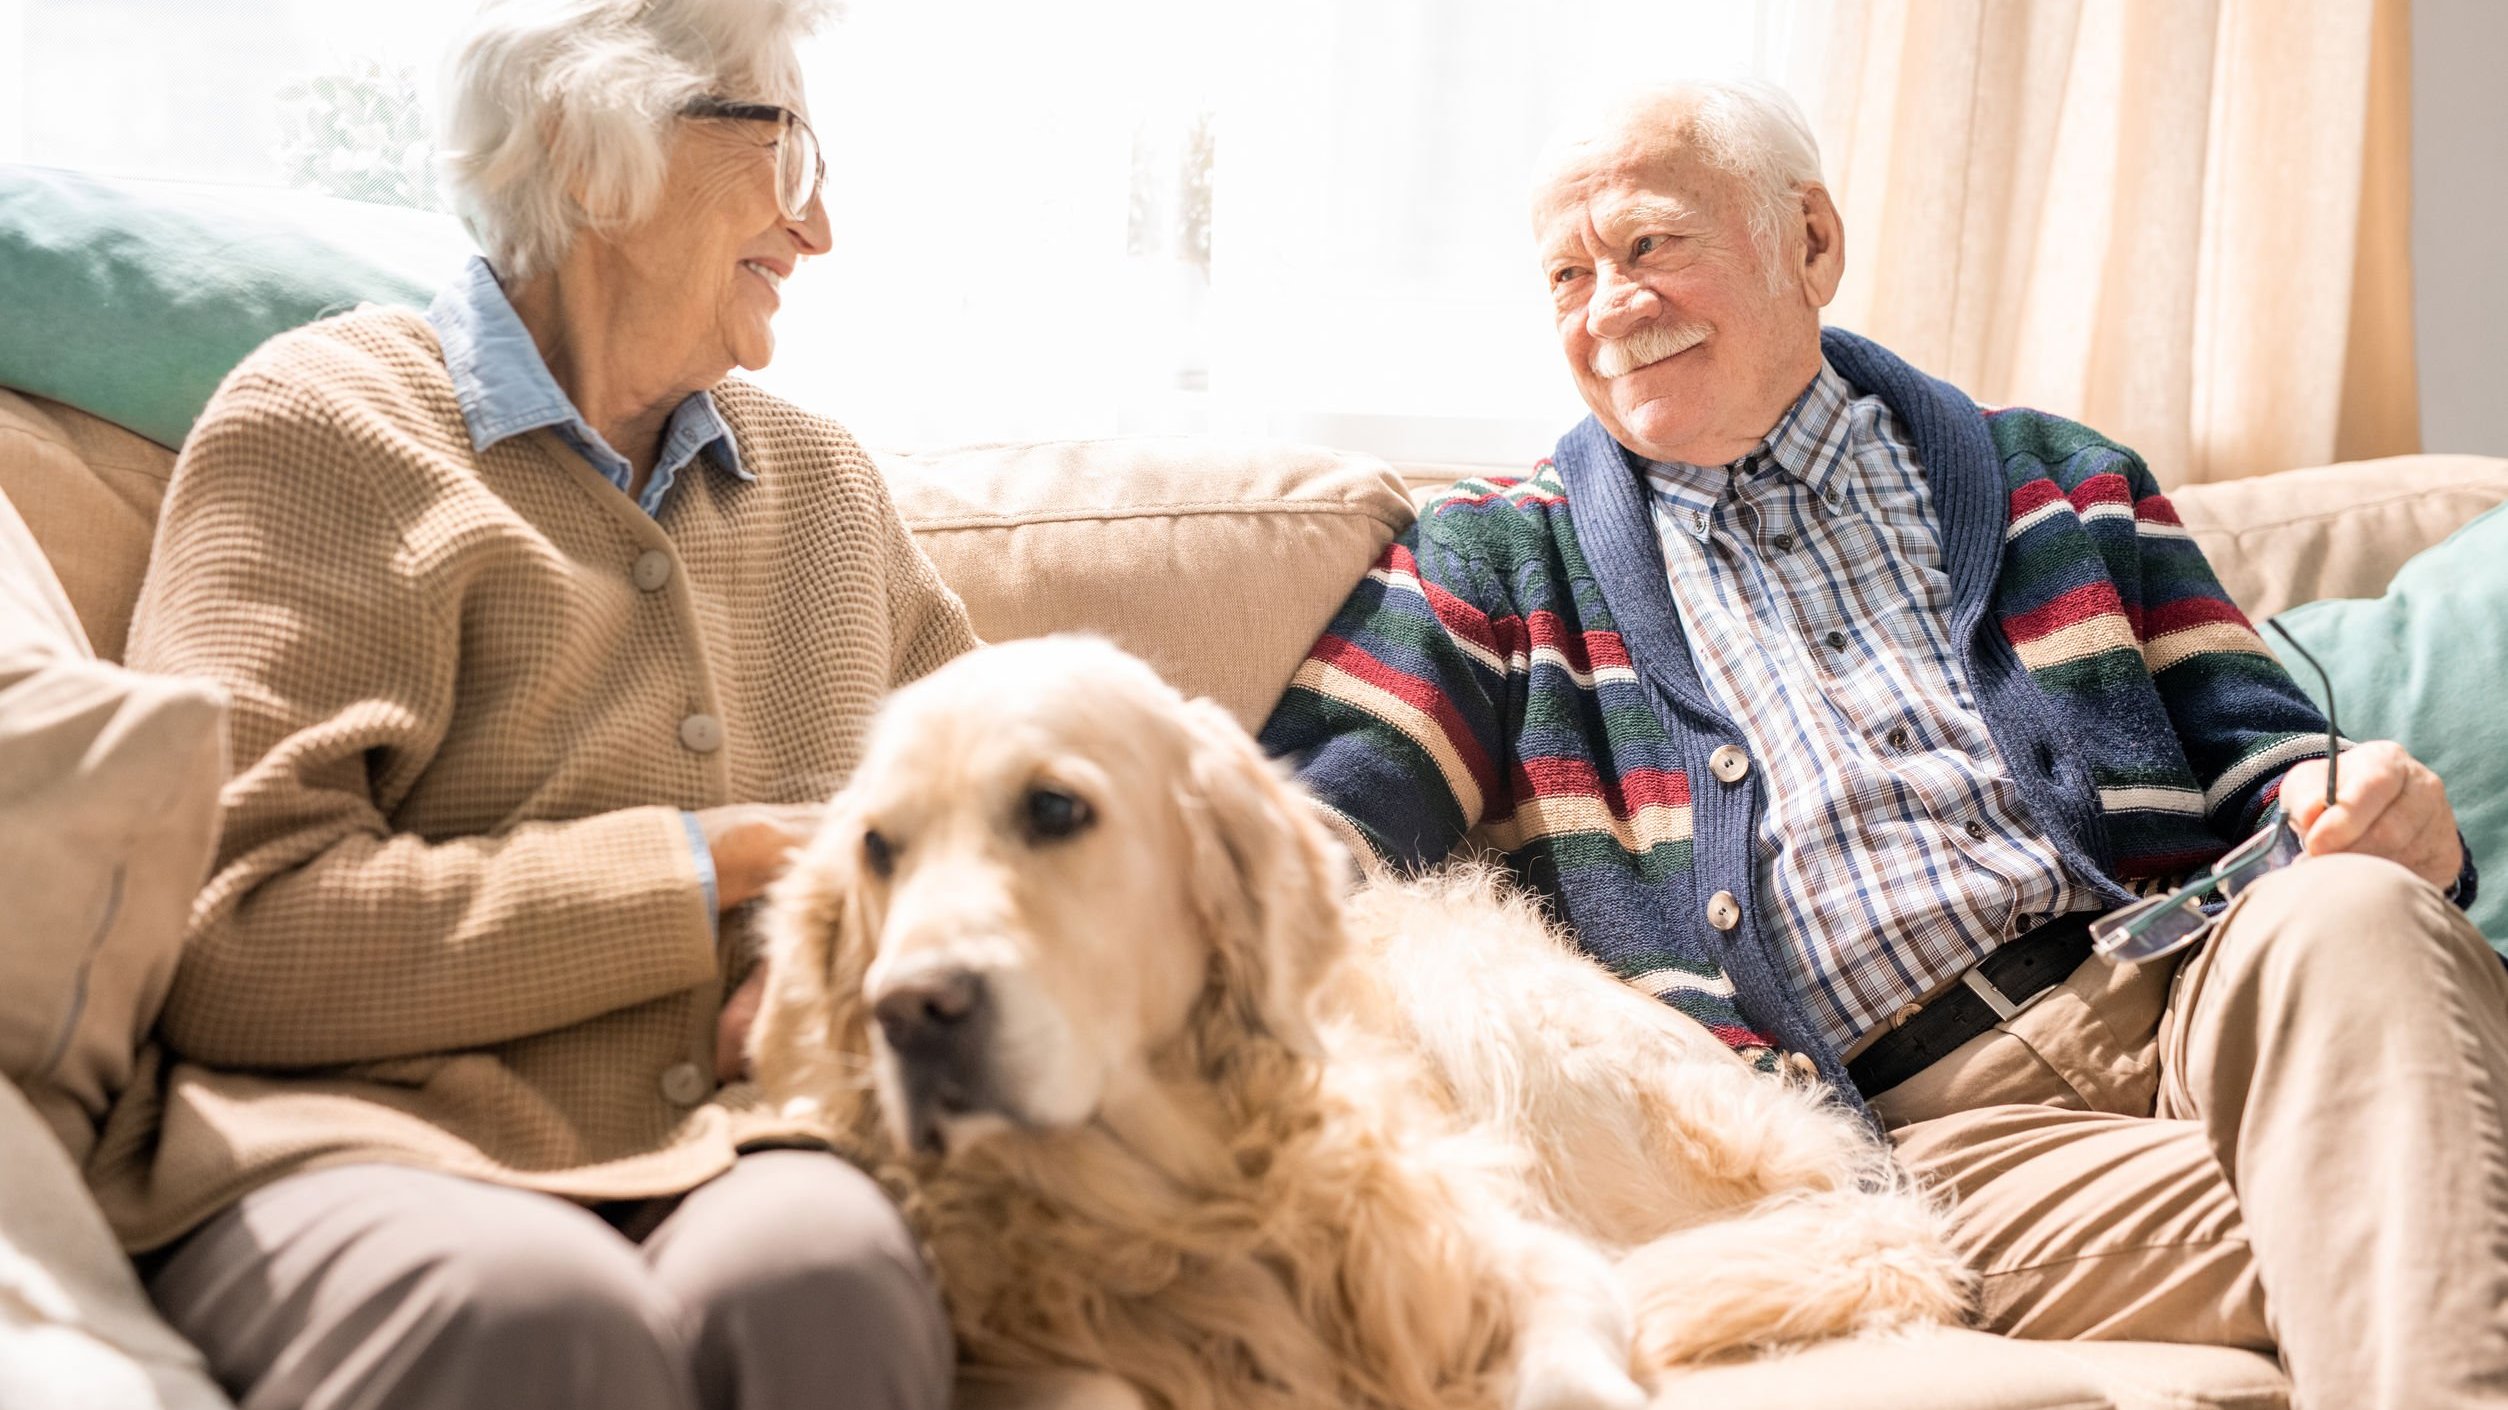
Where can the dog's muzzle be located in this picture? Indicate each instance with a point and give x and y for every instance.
(939, 1028)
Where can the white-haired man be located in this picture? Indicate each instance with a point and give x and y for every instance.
(1832, 709)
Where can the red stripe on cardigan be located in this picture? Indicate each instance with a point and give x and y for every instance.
(2035, 494)
(2090, 600)
(2107, 488)
(1583, 650)
(1344, 656)
(2155, 509)
(2162, 618)
(1555, 777)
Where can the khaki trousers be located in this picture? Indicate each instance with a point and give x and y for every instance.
(787, 1282)
(2291, 1141)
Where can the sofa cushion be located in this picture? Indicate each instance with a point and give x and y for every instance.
(1217, 562)
(89, 491)
(2425, 665)
(2336, 531)
(1951, 1369)
(108, 805)
(133, 298)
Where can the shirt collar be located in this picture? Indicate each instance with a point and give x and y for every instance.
(1809, 442)
(505, 389)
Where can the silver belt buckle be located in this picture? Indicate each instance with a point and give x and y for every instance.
(2004, 1009)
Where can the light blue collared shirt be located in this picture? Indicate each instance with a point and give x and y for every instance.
(505, 389)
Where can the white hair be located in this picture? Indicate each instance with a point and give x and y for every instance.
(557, 113)
(1746, 127)
(1757, 132)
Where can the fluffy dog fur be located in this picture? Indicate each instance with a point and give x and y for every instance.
(1202, 1134)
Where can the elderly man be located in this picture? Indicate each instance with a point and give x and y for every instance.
(1832, 709)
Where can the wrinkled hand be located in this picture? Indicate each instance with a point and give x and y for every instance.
(731, 1028)
(2391, 805)
(751, 842)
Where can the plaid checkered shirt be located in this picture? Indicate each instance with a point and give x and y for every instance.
(1894, 850)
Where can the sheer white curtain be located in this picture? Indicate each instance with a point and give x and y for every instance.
(1296, 218)
(2181, 221)
(1299, 218)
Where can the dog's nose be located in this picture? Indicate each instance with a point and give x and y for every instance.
(931, 1012)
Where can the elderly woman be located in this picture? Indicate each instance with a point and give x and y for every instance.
(538, 630)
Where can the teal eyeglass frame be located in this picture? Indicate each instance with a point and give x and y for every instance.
(2163, 925)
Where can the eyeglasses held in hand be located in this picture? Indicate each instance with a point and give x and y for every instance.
(2163, 925)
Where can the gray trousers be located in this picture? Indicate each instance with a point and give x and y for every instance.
(788, 1282)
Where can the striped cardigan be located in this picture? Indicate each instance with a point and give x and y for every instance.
(1513, 671)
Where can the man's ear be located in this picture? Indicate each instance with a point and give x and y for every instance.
(1824, 245)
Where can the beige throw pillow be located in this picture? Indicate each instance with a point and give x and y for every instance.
(76, 1331)
(108, 805)
(1217, 562)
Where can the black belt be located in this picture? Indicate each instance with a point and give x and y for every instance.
(2016, 975)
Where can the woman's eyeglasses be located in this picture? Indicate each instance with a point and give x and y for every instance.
(800, 170)
(2163, 925)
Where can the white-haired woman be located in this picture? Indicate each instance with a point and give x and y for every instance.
(540, 633)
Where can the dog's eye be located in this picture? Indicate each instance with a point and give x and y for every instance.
(1052, 814)
(878, 854)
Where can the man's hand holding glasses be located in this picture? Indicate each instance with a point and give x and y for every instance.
(2391, 806)
(2374, 799)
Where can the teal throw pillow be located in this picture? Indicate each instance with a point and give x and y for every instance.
(131, 299)
(2427, 665)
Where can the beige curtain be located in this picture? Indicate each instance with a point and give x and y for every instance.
(2183, 222)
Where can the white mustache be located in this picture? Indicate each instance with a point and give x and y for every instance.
(1617, 357)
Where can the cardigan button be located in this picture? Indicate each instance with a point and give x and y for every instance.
(701, 734)
(1723, 912)
(652, 570)
(685, 1084)
(1729, 763)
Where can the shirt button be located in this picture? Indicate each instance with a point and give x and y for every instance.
(1782, 543)
(1898, 737)
(1836, 640)
(685, 1084)
(1975, 830)
(1723, 912)
(1729, 763)
(652, 570)
(701, 734)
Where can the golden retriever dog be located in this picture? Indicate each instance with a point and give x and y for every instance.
(1183, 1126)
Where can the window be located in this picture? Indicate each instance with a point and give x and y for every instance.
(1287, 218)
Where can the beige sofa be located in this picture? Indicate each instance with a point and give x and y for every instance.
(1220, 563)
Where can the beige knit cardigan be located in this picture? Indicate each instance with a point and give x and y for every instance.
(455, 920)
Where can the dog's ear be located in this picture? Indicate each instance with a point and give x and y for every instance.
(811, 1046)
(1266, 880)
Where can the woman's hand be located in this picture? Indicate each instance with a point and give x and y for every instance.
(2392, 806)
(751, 842)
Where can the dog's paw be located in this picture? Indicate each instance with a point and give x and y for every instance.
(1573, 1376)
